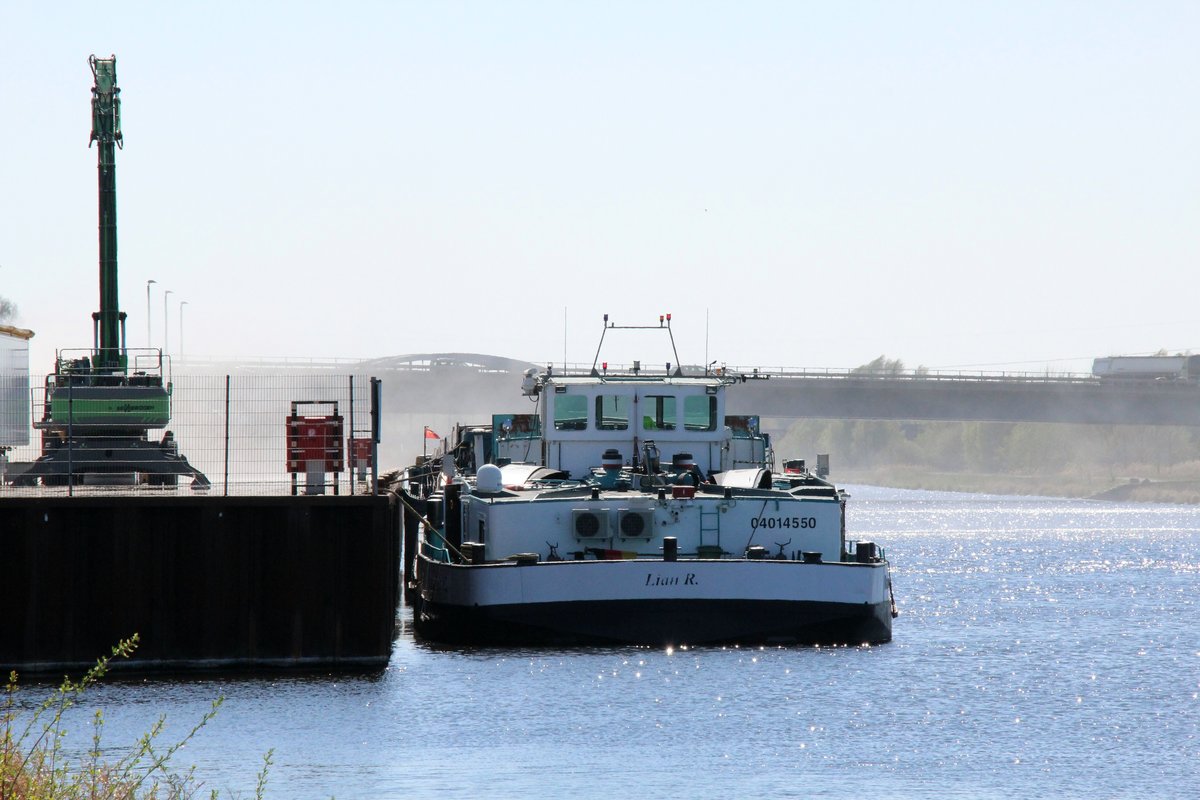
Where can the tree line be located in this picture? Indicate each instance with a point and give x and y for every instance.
(1102, 452)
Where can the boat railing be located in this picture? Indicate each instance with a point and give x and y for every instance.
(864, 551)
(437, 550)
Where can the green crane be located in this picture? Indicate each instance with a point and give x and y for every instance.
(99, 407)
(106, 133)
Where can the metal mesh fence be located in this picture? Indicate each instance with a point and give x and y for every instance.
(234, 434)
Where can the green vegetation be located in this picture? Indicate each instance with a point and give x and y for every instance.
(35, 765)
(884, 366)
(880, 366)
(1145, 462)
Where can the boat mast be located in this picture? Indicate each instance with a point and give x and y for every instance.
(662, 318)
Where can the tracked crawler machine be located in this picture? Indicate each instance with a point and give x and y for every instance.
(100, 405)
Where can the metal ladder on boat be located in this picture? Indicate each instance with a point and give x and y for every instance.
(710, 522)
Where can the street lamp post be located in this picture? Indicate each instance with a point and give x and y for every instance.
(181, 305)
(166, 327)
(149, 338)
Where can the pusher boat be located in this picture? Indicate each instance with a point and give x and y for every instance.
(628, 508)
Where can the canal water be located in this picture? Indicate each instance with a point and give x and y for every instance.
(1046, 648)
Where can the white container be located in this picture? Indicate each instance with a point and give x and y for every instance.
(14, 386)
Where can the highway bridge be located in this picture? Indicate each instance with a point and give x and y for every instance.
(978, 398)
(473, 383)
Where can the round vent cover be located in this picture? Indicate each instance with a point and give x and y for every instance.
(633, 525)
(587, 525)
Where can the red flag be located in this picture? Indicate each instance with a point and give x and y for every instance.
(429, 434)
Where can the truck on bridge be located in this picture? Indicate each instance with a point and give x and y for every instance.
(1178, 367)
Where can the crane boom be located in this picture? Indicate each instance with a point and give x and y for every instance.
(106, 133)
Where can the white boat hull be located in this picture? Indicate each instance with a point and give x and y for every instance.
(654, 602)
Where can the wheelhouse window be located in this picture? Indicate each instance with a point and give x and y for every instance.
(658, 412)
(700, 413)
(570, 412)
(612, 412)
(743, 426)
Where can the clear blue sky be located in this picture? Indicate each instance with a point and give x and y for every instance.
(993, 185)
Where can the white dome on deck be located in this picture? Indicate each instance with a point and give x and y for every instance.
(488, 479)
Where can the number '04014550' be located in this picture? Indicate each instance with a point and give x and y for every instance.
(783, 522)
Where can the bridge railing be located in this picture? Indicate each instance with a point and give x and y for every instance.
(839, 373)
(915, 375)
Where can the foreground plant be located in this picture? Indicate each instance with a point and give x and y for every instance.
(34, 764)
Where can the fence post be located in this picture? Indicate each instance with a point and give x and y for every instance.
(376, 383)
(70, 438)
(226, 490)
(351, 462)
